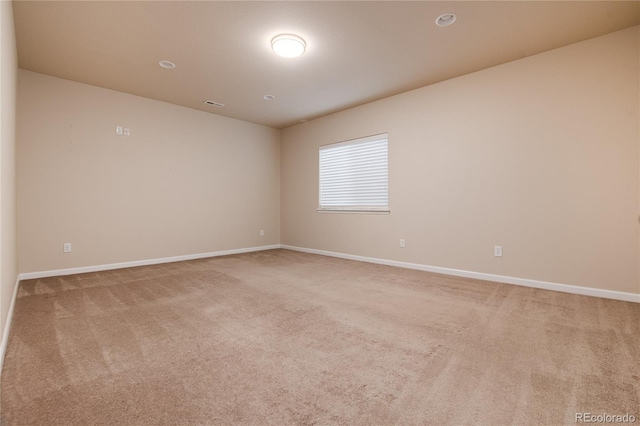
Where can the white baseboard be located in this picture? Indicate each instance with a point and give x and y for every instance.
(107, 267)
(565, 288)
(7, 325)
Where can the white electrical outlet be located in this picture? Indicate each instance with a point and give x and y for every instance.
(497, 251)
(118, 130)
(66, 247)
(127, 132)
(403, 243)
(262, 232)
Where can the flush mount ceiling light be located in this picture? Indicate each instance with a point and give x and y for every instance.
(446, 19)
(268, 97)
(288, 45)
(167, 64)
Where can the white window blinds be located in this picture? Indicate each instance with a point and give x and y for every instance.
(354, 175)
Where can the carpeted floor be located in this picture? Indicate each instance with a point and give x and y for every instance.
(280, 337)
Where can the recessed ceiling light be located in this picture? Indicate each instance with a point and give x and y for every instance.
(446, 19)
(268, 97)
(288, 45)
(167, 64)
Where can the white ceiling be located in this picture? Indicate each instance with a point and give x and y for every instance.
(357, 51)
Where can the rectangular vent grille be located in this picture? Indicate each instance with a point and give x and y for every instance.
(215, 104)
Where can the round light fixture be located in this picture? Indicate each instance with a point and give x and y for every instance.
(288, 45)
(446, 19)
(268, 97)
(167, 64)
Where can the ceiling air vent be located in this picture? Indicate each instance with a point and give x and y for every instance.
(213, 103)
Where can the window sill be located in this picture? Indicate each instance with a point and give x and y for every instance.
(347, 210)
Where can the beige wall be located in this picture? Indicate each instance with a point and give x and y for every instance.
(8, 248)
(184, 182)
(538, 155)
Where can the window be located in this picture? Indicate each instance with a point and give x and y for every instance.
(354, 175)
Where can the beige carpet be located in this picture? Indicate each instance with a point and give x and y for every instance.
(279, 337)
